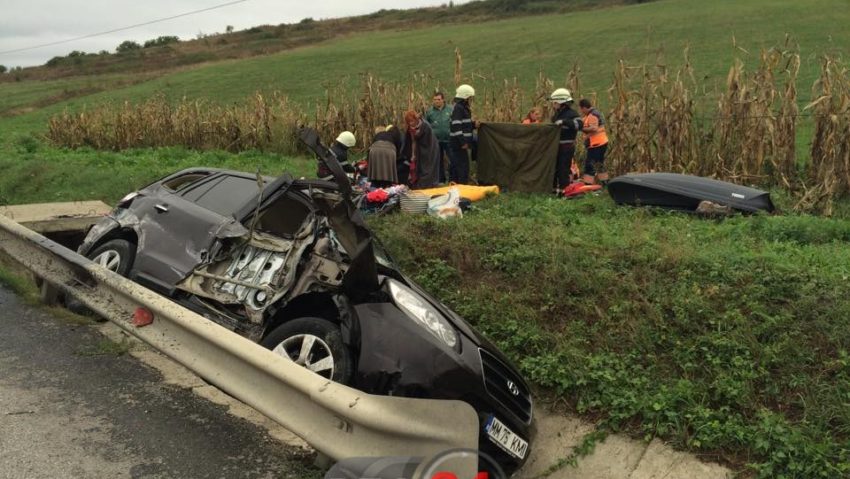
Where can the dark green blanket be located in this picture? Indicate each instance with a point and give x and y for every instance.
(518, 157)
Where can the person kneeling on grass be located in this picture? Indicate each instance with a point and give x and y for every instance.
(596, 142)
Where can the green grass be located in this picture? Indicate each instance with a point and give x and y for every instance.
(36, 174)
(26, 96)
(722, 337)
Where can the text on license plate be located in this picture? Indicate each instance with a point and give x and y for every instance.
(506, 439)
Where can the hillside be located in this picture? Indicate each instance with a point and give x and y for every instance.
(593, 40)
(168, 52)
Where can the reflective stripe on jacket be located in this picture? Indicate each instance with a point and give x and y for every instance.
(570, 123)
(461, 126)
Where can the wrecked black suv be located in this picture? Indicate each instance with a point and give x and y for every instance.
(291, 265)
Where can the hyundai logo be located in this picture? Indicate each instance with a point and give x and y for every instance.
(512, 388)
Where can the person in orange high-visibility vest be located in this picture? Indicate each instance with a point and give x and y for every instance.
(596, 142)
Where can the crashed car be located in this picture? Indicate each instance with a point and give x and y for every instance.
(290, 264)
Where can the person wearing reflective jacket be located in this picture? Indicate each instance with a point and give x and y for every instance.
(596, 142)
(461, 135)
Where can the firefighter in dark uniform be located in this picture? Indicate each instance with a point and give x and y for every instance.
(340, 147)
(570, 122)
(461, 139)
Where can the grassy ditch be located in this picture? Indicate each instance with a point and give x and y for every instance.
(727, 338)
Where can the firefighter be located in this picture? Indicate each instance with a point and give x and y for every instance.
(461, 135)
(596, 142)
(570, 123)
(340, 147)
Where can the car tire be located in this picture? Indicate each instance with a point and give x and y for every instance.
(115, 255)
(310, 342)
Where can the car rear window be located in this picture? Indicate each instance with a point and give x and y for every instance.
(183, 181)
(228, 195)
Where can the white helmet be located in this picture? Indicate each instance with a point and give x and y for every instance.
(561, 96)
(465, 92)
(347, 138)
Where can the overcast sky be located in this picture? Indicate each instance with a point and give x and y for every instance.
(26, 23)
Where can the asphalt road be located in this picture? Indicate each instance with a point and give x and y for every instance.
(69, 408)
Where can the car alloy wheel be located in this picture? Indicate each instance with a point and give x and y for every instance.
(310, 352)
(314, 343)
(109, 259)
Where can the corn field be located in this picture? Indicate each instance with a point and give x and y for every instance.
(658, 119)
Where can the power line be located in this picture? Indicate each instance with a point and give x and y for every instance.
(60, 42)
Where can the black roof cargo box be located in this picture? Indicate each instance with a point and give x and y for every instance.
(685, 192)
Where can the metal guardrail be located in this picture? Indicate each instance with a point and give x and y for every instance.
(336, 420)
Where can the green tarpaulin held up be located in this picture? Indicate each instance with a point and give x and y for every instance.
(518, 157)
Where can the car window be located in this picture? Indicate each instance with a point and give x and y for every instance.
(227, 195)
(182, 182)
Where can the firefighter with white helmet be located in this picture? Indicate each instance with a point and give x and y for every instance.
(461, 136)
(347, 139)
(340, 147)
(561, 96)
(570, 122)
(465, 92)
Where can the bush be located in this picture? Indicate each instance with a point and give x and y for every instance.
(161, 41)
(27, 143)
(127, 46)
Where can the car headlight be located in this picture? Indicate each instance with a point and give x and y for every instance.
(421, 311)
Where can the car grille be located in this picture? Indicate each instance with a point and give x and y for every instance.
(497, 380)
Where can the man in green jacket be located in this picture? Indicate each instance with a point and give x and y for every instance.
(439, 116)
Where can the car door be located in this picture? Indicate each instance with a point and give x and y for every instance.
(178, 229)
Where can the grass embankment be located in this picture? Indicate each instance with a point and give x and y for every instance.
(18, 98)
(38, 174)
(728, 338)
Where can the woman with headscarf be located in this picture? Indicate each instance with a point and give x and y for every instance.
(425, 152)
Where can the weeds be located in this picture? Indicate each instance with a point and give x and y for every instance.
(106, 347)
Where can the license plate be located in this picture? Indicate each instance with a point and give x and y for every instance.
(505, 438)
